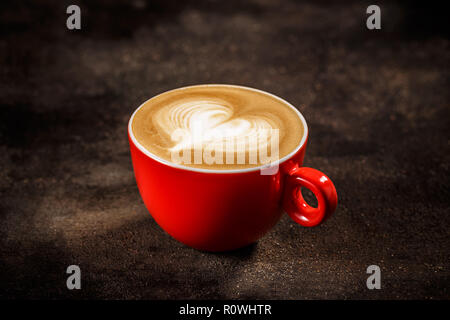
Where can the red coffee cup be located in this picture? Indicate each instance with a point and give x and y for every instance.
(218, 210)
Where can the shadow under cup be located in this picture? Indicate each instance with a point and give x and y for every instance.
(221, 210)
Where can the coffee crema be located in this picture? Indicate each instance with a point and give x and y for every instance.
(217, 127)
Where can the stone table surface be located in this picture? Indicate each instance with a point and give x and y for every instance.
(377, 106)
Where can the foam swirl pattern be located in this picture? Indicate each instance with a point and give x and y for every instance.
(213, 124)
(217, 118)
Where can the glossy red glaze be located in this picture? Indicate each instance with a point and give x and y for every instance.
(224, 211)
(320, 185)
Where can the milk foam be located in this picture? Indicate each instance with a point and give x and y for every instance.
(216, 119)
(214, 125)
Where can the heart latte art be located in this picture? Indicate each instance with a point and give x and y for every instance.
(210, 129)
(217, 127)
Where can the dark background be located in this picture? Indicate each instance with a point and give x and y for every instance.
(376, 103)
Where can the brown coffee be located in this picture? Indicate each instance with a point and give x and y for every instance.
(217, 127)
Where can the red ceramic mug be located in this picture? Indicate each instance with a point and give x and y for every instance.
(219, 210)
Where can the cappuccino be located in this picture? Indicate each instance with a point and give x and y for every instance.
(217, 127)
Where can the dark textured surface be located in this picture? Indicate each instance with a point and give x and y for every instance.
(377, 106)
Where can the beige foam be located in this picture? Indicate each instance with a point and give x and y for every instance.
(222, 114)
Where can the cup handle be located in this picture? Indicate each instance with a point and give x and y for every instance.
(320, 185)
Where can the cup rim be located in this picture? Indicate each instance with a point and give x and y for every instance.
(202, 170)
